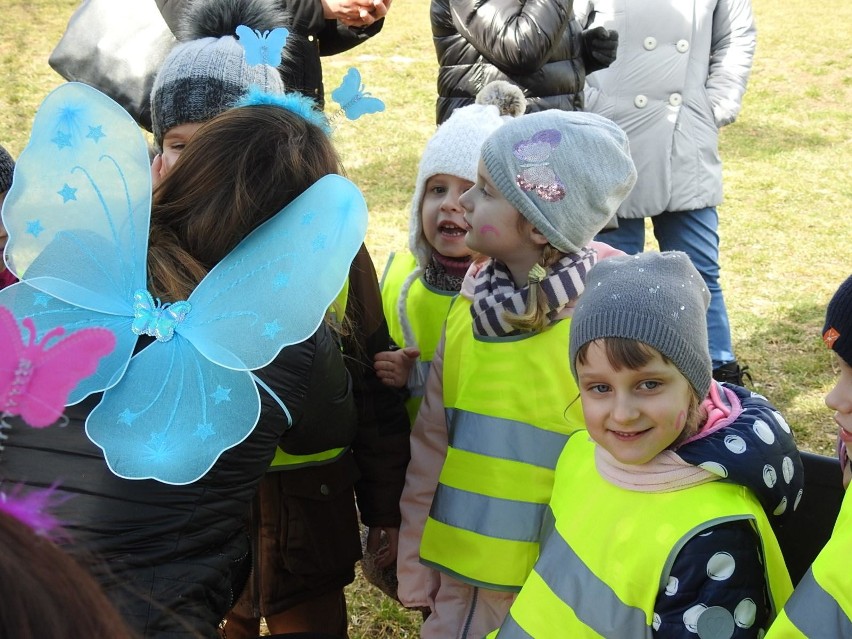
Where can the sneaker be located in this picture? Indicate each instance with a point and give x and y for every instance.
(732, 373)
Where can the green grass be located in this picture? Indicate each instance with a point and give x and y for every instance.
(786, 223)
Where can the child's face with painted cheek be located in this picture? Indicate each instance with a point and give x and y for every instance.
(633, 413)
(493, 228)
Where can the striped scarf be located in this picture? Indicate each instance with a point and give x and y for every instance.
(494, 292)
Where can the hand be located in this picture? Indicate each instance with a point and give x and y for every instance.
(601, 45)
(393, 367)
(355, 13)
(382, 543)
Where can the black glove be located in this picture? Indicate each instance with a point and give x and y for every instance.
(599, 47)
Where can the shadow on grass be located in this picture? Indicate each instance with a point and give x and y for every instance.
(757, 141)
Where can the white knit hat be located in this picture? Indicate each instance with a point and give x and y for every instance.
(454, 150)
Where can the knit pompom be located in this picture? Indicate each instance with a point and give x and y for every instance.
(217, 18)
(507, 97)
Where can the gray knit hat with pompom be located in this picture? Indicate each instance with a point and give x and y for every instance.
(206, 71)
(7, 168)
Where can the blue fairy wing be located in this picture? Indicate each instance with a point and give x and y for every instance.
(79, 207)
(48, 313)
(173, 414)
(363, 105)
(274, 288)
(349, 87)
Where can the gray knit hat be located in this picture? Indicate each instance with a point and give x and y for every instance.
(837, 331)
(206, 71)
(7, 167)
(658, 299)
(566, 172)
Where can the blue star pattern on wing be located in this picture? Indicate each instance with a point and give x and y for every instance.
(308, 217)
(319, 243)
(96, 133)
(282, 280)
(271, 329)
(68, 193)
(40, 299)
(203, 431)
(62, 140)
(126, 417)
(34, 228)
(221, 395)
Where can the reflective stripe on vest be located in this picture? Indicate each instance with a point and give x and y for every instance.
(284, 460)
(577, 590)
(427, 309)
(510, 405)
(821, 606)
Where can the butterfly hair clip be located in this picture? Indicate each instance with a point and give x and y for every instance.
(262, 47)
(536, 173)
(354, 101)
(36, 377)
(78, 222)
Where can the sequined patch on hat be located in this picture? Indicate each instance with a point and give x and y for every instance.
(830, 336)
(536, 174)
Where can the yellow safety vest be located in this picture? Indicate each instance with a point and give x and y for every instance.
(821, 606)
(426, 307)
(510, 404)
(284, 460)
(607, 551)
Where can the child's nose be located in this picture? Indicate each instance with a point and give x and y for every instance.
(624, 410)
(452, 204)
(465, 199)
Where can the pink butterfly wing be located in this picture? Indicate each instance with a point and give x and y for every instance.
(58, 369)
(10, 354)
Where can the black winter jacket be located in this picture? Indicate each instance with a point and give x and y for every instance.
(536, 44)
(175, 558)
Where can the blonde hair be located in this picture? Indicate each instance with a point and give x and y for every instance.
(534, 317)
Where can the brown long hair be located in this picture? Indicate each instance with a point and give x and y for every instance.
(239, 170)
(46, 593)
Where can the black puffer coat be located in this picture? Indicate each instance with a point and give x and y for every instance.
(174, 558)
(536, 44)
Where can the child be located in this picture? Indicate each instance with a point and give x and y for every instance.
(417, 289)
(821, 608)
(301, 567)
(493, 418)
(659, 521)
(7, 168)
(178, 554)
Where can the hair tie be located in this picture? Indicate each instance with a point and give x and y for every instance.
(536, 274)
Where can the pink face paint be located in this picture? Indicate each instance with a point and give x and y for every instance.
(489, 229)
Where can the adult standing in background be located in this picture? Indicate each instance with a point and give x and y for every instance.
(317, 28)
(680, 76)
(535, 44)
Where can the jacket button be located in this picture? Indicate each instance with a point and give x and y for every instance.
(675, 99)
(310, 38)
(682, 46)
(640, 101)
(324, 490)
(650, 43)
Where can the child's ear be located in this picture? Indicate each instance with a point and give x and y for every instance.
(537, 237)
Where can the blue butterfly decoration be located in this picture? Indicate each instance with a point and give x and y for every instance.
(170, 410)
(353, 100)
(262, 48)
